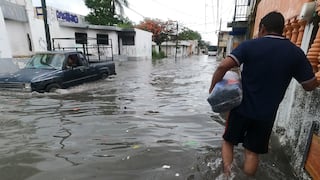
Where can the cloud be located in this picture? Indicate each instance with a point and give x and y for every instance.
(75, 6)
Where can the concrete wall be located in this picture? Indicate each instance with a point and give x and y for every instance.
(289, 9)
(185, 48)
(293, 125)
(36, 28)
(18, 33)
(142, 48)
(5, 50)
(143, 43)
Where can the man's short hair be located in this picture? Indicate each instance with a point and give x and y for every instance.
(273, 22)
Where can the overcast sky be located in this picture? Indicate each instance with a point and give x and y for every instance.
(200, 15)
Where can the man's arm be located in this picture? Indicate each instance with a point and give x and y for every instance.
(310, 85)
(225, 65)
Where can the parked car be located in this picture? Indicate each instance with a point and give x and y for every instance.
(48, 71)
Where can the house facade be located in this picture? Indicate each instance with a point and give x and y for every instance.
(224, 38)
(179, 48)
(22, 32)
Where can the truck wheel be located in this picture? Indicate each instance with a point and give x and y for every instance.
(104, 75)
(52, 87)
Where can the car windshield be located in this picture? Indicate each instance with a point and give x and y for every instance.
(46, 61)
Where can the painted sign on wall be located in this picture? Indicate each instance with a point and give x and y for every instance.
(66, 16)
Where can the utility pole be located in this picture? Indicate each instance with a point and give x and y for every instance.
(219, 39)
(205, 15)
(218, 12)
(175, 57)
(46, 26)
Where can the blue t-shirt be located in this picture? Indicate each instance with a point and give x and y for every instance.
(269, 63)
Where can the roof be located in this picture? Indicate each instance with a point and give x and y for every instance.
(89, 26)
(56, 52)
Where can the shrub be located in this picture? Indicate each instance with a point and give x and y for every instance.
(156, 55)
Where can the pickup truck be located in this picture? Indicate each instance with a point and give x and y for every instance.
(48, 71)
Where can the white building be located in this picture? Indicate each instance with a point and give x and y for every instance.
(178, 48)
(22, 32)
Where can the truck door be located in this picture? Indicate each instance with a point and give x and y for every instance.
(75, 71)
(90, 72)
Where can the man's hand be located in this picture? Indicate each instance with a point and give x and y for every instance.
(311, 84)
(224, 66)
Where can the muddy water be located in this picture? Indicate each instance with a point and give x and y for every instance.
(149, 122)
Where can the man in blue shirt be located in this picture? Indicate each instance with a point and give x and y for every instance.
(268, 65)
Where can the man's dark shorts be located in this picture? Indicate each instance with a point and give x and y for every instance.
(253, 133)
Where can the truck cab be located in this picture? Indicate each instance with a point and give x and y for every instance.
(48, 71)
(212, 50)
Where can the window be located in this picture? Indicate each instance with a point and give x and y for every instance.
(128, 40)
(81, 38)
(102, 39)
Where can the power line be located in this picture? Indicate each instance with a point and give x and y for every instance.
(218, 10)
(175, 10)
(135, 12)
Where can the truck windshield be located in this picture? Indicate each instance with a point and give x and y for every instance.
(46, 61)
(212, 48)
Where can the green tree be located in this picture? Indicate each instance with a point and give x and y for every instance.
(188, 34)
(103, 12)
(126, 23)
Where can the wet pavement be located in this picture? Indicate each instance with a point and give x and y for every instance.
(151, 121)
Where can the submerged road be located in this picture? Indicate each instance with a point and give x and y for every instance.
(149, 122)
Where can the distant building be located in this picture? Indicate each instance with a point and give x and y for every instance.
(182, 48)
(242, 23)
(223, 38)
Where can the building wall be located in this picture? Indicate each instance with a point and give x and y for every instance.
(293, 125)
(185, 48)
(18, 33)
(142, 48)
(143, 44)
(5, 49)
(289, 9)
(36, 28)
(59, 29)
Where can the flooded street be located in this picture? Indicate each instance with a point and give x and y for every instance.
(149, 122)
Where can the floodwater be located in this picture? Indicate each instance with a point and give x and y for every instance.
(149, 122)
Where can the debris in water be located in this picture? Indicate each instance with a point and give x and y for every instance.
(166, 167)
(135, 146)
(191, 143)
(103, 155)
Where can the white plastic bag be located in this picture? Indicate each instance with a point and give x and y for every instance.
(226, 94)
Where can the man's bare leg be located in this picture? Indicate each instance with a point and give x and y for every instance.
(251, 163)
(227, 157)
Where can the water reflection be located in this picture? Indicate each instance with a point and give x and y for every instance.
(19, 166)
(67, 133)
